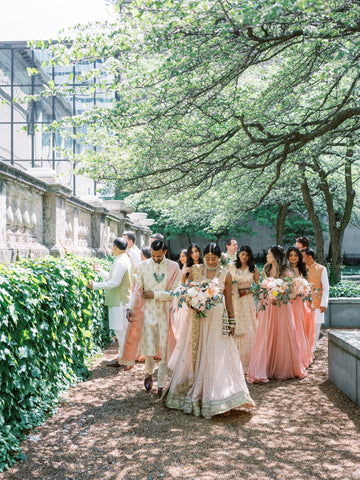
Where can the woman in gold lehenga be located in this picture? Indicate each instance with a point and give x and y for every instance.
(244, 272)
(208, 378)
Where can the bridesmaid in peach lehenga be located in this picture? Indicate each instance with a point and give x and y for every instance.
(276, 352)
(208, 378)
(243, 273)
(301, 310)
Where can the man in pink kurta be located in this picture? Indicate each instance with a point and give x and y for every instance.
(150, 314)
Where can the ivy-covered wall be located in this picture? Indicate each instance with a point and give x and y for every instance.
(50, 326)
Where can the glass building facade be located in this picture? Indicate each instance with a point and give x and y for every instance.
(24, 141)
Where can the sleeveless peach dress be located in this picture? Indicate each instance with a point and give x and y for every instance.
(302, 312)
(276, 352)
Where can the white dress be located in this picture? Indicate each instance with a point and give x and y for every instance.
(208, 378)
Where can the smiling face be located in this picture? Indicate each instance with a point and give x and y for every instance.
(293, 258)
(158, 255)
(231, 249)
(211, 260)
(243, 257)
(183, 258)
(195, 255)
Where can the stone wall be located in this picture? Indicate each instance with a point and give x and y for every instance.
(40, 216)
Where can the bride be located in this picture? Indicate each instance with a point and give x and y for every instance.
(207, 377)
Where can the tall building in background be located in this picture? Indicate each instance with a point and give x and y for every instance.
(24, 141)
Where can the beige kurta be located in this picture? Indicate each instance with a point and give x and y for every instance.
(153, 277)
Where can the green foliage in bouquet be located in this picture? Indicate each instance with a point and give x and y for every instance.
(50, 327)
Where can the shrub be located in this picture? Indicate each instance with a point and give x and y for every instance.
(50, 326)
(345, 288)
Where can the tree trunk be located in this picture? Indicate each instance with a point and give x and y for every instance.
(337, 221)
(335, 259)
(280, 222)
(309, 204)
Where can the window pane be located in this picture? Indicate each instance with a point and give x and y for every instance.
(5, 140)
(5, 109)
(5, 66)
(22, 143)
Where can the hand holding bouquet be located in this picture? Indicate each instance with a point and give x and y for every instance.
(275, 290)
(302, 288)
(199, 296)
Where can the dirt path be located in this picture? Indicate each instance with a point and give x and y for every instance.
(109, 427)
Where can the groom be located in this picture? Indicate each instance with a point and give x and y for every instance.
(150, 314)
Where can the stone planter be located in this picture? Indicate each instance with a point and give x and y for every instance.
(344, 362)
(343, 312)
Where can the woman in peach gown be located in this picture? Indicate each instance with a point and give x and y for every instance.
(207, 377)
(276, 352)
(244, 273)
(303, 314)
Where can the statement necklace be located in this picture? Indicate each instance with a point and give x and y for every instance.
(210, 269)
(159, 278)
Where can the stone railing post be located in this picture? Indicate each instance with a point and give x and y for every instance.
(98, 231)
(55, 218)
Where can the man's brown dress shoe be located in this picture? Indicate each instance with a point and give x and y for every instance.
(148, 383)
(114, 363)
(125, 367)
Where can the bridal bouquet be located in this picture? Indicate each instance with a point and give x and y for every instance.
(302, 288)
(199, 296)
(275, 290)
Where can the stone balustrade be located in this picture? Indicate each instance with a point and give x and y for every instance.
(40, 216)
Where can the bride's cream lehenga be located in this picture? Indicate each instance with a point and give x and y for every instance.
(207, 378)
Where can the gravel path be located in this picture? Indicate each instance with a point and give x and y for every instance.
(110, 428)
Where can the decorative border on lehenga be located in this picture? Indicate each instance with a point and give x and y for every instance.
(208, 410)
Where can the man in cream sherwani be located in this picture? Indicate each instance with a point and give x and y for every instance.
(152, 301)
(117, 286)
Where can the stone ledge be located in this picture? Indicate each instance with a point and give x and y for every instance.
(348, 341)
(344, 362)
(343, 312)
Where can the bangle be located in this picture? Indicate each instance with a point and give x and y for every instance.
(232, 322)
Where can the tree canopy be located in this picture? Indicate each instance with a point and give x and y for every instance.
(243, 99)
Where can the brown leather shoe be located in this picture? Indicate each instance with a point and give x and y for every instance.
(125, 367)
(114, 363)
(148, 383)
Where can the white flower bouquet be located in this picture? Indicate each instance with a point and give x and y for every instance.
(302, 288)
(199, 296)
(275, 290)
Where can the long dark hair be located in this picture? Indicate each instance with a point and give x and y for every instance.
(300, 264)
(251, 261)
(184, 250)
(280, 259)
(190, 261)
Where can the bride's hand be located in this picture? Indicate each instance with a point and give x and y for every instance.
(232, 331)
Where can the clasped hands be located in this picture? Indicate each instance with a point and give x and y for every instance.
(146, 294)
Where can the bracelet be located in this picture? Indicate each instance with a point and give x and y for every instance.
(232, 322)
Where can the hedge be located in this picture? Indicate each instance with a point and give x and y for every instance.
(345, 288)
(50, 326)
